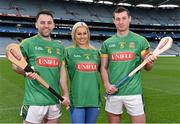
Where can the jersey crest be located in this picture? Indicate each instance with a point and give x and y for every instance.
(49, 49)
(58, 51)
(87, 56)
(131, 45)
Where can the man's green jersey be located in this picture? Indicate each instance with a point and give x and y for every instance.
(82, 66)
(46, 57)
(124, 55)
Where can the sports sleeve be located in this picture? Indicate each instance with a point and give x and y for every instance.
(104, 51)
(24, 46)
(99, 55)
(144, 45)
(63, 55)
(66, 55)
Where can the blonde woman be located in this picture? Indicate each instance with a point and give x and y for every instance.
(82, 61)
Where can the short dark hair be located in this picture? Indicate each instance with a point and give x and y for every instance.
(46, 12)
(119, 10)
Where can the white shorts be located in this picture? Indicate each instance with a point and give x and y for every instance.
(36, 114)
(133, 104)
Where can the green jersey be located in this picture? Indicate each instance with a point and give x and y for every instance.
(124, 55)
(82, 66)
(46, 57)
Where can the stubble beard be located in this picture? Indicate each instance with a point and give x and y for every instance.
(45, 35)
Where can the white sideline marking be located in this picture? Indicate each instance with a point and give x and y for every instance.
(2, 56)
(9, 108)
(164, 91)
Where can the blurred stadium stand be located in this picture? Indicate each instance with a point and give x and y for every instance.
(17, 20)
(4, 41)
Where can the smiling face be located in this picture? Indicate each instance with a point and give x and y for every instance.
(45, 25)
(81, 36)
(122, 21)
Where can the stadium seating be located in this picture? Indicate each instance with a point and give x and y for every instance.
(89, 12)
(146, 22)
(4, 41)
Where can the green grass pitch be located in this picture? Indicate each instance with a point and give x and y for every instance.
(161, 88)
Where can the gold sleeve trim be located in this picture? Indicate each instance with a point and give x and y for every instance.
(104, 55)
(63, 62)
(144, 52)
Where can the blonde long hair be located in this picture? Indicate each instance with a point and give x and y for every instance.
(77, 25)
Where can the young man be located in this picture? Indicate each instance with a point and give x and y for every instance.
(47, 57)
(120, 54)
